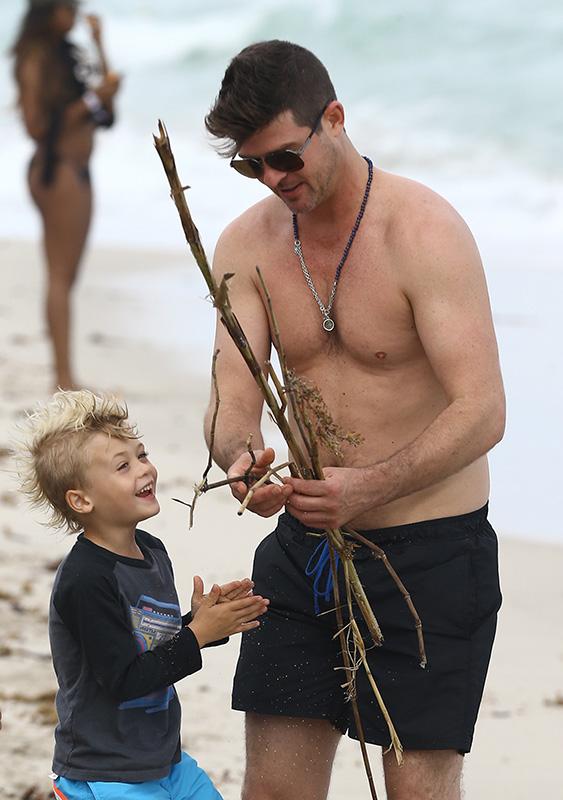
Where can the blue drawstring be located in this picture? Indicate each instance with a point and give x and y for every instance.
(320, 558)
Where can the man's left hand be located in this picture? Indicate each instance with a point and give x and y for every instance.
(344, 495)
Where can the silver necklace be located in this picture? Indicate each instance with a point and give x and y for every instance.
(328, 322)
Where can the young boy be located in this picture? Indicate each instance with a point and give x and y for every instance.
(118, 639)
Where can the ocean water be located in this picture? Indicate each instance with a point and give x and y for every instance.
(464, 96)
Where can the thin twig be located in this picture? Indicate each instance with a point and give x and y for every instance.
(379, 553)
(198, 490)
(279, 388)
(252, 458)
(361, 650)
(284, 391)
(227, 481)
(287, 391)
(349, 673)
(215, 414)
(220, 295)
(260, 482)
(183, 502)
(395, 741)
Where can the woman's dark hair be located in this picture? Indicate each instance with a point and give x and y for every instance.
(59, 57)
(35, 29)
(263, 81)
(60, 64)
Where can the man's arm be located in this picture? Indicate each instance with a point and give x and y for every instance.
(445, 285)
(241, 401)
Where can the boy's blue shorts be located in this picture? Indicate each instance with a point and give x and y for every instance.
(186, 781)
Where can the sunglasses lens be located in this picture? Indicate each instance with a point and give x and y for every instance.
(249, 167)
(284, 161)
(280, 160)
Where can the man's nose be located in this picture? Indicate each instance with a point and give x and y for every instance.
(272, 177)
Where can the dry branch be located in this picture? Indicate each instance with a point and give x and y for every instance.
(220, 295)
(378, 552)
(260, 482)
(199, 488)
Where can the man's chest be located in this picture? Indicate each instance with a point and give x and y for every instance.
(373, 320)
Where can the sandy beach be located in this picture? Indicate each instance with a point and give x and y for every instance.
(117, 347)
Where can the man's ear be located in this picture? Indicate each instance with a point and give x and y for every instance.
(79, 501)
(335, 118)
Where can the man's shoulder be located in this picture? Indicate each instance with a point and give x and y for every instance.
(254, 226)
(413, 205)
(420, 222)
(427, 238)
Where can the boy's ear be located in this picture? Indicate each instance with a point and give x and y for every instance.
(79, 501)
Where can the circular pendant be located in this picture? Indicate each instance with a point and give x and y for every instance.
(328, 324)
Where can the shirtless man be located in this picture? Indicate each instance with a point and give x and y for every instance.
(406, 356)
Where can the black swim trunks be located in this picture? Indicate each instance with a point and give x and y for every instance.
(289, 665)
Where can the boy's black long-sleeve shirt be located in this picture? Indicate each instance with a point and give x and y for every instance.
(119, 643)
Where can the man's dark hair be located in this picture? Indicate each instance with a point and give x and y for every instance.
(263, 81)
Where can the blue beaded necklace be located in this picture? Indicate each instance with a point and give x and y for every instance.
(328, 322)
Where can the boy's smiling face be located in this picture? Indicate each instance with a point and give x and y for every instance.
(120, 482)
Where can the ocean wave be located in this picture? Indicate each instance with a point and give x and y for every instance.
(458, 94)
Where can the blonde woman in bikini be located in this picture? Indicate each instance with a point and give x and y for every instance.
(61, 113)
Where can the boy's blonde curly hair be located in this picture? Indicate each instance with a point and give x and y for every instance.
(52, 456)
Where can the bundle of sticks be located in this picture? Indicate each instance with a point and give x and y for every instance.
(316, 429)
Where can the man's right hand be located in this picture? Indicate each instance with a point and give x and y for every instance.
(268, 499)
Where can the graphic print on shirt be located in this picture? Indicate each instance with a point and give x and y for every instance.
(154, 623)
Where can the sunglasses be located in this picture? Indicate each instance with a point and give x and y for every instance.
(280, 160)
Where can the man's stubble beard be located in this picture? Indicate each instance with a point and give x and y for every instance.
(322, 188)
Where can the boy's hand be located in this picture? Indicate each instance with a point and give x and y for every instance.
(214, 620)
(233, 590)
(197, 595)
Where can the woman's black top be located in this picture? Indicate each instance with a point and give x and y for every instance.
(73, 72)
